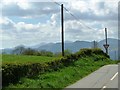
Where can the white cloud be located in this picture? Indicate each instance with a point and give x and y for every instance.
(53, 19)
(75, 31)
(8, 2)
(27, 34)
(80, 6)
(97, 15)
(3, 21)
(23, 4)
(23, 26)
(98, 7)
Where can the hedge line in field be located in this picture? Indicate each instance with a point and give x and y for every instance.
(12, 73)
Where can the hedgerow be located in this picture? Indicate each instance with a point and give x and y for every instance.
(11, 73)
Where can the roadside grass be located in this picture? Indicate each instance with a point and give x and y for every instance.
(21, 59)
(65, 76)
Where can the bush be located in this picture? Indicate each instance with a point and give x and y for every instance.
(29, 51)
(12, 73)
(21, 50)
(46, 53)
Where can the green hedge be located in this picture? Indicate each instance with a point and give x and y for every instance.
(12, 73)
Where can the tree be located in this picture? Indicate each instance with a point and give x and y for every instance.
(29, 51)
(19, 50)
(46, 53)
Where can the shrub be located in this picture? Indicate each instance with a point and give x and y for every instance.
(12, 73)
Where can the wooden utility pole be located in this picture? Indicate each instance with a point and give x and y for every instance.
(94, 44)
(115, 56)
(106, 45)
(106, 35)
(62, 27)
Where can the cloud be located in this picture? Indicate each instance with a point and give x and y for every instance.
(3, 21)
(6, 23)
(94, 10)
(18, 19)
(27, 33)
(74, 30)
(29, 9)
(24, 5)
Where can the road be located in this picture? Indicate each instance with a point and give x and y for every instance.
(105, 77)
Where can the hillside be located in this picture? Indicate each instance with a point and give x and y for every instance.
(66, 70)
(73, 46)
(76, 46)
(113, 48)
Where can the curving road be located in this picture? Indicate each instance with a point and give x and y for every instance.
(103, 78)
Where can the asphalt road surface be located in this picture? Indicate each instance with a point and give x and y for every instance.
(105, 77)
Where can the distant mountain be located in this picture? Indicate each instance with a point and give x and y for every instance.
(72, 46)
(7, 50)
(112, 42)
(76, 46)
(113, 47)
(37, 45)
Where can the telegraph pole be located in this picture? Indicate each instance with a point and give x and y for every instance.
(115, 56)
(94, 44)
(62, 27)
(106, 45)
(106, 35)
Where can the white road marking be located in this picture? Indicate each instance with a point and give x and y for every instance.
(114, 76)
(104, 87)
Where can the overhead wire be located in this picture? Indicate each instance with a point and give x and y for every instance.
(75, 17)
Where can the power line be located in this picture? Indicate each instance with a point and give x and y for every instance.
(67, 10)
(77, 18)
(57, 3)
(70, 13)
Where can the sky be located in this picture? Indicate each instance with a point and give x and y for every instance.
(28, 22)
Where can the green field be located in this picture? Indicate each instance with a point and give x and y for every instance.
(63, 77)
(58, 73)
(16, 59)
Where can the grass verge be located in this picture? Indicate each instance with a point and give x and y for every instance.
(64, 76)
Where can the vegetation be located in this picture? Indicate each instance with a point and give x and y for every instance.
(21, 50)
(24, 59)
(62, 77)
(55, 74)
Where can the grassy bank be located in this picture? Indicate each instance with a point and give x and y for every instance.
(66, 75)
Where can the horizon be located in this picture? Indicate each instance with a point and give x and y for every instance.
(30, 23)
(53, 43)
